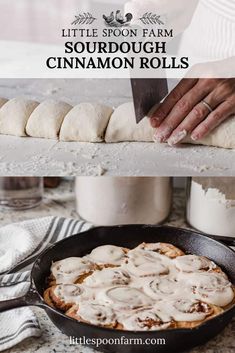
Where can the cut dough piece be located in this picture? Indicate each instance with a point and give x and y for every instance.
(3, 101)
(86, 122)
(123, 127)
(47, 118)
(222, 136)
(14, 115)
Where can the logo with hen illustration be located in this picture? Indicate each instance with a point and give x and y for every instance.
(117, 19)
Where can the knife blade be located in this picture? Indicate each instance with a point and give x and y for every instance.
(147, 93)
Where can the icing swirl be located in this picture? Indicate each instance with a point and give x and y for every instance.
(161, 287)
(144, 263)
(97, 314)
(143, 320)
(213, 288)
(107, 254)
(108, 277)
(186, 309)
(124, 298)
(67, 271)
(71, 293)
(192, 263)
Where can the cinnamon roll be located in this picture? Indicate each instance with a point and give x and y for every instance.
(94, 313)
(162, 248)
(213, 288)
(124, 298)
(108, 277)
(108, 255)
(193, 263)
(145, 319)
(143, 263)
(160, 287)
(190, 313)
(64, 296)
(71, 270)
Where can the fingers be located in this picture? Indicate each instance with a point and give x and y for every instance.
(181, 110)
(164, 109)
(194, 118)
(214, 119)
(194, 107)
(201, 111)
(198, 114)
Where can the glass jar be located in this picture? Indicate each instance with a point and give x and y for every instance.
(130, 200)
(21, 193)
(211, 205)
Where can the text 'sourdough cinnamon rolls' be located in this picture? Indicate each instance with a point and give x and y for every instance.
(154, 286)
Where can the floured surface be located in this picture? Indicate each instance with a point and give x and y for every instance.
(23, 156)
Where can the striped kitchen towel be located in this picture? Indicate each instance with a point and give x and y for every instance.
(20, 244)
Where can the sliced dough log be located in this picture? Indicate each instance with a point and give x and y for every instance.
(86, 122)
(47, 118)
(123, 127)
(14, 115)
(222, 136)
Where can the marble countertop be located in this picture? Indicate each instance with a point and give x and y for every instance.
(31, 156)
(61, 202)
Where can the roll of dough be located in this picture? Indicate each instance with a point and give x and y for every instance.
(14, 115)
(86, 122)
(222, 136)
(122, 126)
(47, 118)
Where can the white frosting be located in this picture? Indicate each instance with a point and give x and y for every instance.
(184, 309)
(143, 320)
(146, 263)
(192, 263)
(97, 314)
(161, 248)
(108, 277)
(72, 293)
(146, 291)
(150, 246)
(124, 298)
(213, 288)
(163, 286)
(107, 254)
(67, 271)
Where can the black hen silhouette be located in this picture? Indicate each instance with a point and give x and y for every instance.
(120, 19)
(109, 19)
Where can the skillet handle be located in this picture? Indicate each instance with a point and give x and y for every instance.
(30, 298)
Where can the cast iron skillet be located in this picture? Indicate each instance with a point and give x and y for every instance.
(176, 340)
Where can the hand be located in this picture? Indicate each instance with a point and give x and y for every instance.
(195, 107)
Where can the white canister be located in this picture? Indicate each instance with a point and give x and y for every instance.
(123, 200)
(211, 205)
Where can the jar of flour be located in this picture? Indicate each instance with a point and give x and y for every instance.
(129, 200)
(211, 205)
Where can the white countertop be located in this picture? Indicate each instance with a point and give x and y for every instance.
(29, 156)
(61, 202)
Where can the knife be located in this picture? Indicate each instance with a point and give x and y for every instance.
(146, 94)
